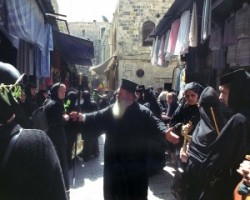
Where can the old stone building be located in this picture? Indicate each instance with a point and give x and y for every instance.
(125, 40)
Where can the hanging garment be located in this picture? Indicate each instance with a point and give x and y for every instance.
(161, 58)
(173, 36)
(229, 37)
(193, 32)
(182, 38)
(206, 20)
(242, 29)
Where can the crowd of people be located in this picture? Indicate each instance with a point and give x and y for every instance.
(205, 134)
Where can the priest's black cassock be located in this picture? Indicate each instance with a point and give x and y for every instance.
(126, 149)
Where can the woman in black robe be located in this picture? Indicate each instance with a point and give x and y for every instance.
(91, 145)
(229, 149)
(71, 127)
(205, 133)
(56, 117)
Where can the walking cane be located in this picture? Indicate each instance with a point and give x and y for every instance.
(79, 110)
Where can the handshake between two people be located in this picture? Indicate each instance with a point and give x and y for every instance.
(76, 116)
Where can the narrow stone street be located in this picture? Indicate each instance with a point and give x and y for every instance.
(89, 180)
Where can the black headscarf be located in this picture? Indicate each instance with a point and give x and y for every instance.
(151, 102)
(173, 106)
(205, 132)
(54, 92)
(239, 93)
(196, 87)
(72, 96)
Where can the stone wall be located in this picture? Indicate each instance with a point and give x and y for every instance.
(132, 55)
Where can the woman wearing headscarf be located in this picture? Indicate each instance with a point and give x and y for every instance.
(151, 102)
(186, 117)
(187, 111)
(56, 117)
(207, 130)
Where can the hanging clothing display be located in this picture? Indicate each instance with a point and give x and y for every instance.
(155, 51)
(42, 58)
(25, 57)
(182, 42)
(193, 31)
(206, 20)
(161, 57)
(229, 37)
(26, 21)
(242, 30)
(218, 50)
(173, 37)
(229, 40)
(166, 45)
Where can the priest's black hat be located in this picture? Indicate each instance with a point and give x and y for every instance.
(128, 85)
(229, 77)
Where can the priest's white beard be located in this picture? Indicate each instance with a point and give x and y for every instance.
(120, 108)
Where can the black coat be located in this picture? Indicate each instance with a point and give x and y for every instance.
(230, 148)
(33, 171)
(56, 132)
(126, 149)
(54, 109)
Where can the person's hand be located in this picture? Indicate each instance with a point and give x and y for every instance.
(66, 117)
(171, 137)
(76, 116)
(184, 154)
(244, 170)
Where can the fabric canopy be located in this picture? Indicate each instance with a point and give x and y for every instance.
(103, 67)
(72, 49)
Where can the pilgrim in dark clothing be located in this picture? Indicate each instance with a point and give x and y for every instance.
(71, 127)
(91, 146)
(139, 92)
(126, 149)
(104, 102)
(30, 90)
(21, 112)
(32, 170)
(187, 111)
(156, 159)
(54, 108)
(172, 105)
(204, 135)
(41, 96)
(232, 145)
(151, 102)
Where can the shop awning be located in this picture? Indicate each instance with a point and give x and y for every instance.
(174, 12)
(72, 49)
(103, 67)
